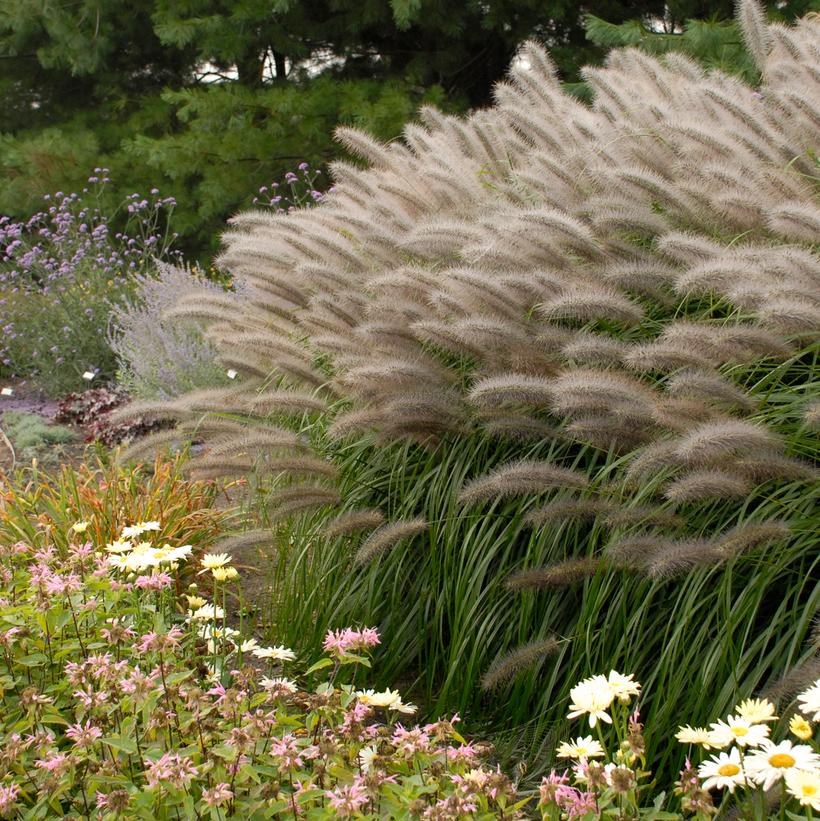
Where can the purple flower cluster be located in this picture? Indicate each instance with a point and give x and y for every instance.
(300, 189)
(62, 270)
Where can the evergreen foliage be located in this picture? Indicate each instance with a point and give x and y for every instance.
(184, 95)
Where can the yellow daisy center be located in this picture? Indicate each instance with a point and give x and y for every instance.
(782, 760)
(740, 731)
(728, 770)
(809, 790)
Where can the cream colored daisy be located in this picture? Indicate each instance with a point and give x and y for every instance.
(771, 763)
(623, 687)
(207, 612)
(722, 772)
(810, 701)
(581, 748)
(275, 653)
(249, 645)
(756, 710)
(696, 735)
(804, 785)
(800, 727)
(740, 730)
(195, 602)
(592, 697)
(283, 685)
(119, 546)
(131, 531)
(211, 561)
(80, 527)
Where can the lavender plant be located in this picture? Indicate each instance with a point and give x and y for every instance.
(62, 271)
(162, 355)
(159, 357)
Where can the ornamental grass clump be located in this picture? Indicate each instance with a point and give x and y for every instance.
(578, 341)
(121, 698)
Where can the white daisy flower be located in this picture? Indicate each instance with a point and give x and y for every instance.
(696, 735)
(275, 653)
(771, 763)
(723, 772)
(810, 701)
(740, 730)
(586, 747)
(592, 697)
(804, 785)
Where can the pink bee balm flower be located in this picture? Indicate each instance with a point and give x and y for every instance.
(348, 640)
(219, 795)
(347, 799)
(8, 798)
(83, 735)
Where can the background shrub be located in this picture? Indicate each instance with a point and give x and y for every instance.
(60, 274)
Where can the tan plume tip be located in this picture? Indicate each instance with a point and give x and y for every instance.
(812, 415)
(560, 574)
(710, 386)
(505, 668)
(642, 515)
(255, 440)
(355, 422)
(387, 537)
(517, 427)
(653, 460)
(706, 486)
(715, 440)
(285, 402)
(634, 552)
(566, 510)
(297, 498)
(526, 476)
(680, 557)
(151, 444)
(511, 389)
(752, 19)
(796, 680)
(751, 536)
(243, 541)
(352, 521)
(770, 466)
(211, 467)
(586, 305)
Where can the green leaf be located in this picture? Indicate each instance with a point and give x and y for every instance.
(319, 665)
(121, 743)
